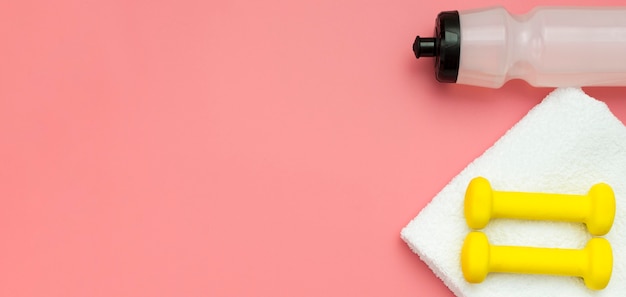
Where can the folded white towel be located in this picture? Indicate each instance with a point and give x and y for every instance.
(565, 144)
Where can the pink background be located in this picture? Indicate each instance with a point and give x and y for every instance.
(231, 148)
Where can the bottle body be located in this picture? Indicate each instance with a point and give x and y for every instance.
(547, 47)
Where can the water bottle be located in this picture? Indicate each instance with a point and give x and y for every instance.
(546, 47)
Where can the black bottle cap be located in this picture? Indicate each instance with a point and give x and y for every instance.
(445, 46)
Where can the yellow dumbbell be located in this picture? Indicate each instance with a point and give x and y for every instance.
(596, 209)
(594, 263)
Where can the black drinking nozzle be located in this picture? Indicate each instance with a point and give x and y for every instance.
(425, 47)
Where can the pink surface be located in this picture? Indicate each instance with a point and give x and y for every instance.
(230, 148)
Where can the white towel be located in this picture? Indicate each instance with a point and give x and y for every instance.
(565, 144)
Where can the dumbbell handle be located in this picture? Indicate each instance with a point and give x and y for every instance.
(541, 206)
(538, 260)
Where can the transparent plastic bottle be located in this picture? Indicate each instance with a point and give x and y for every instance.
(547, 47)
